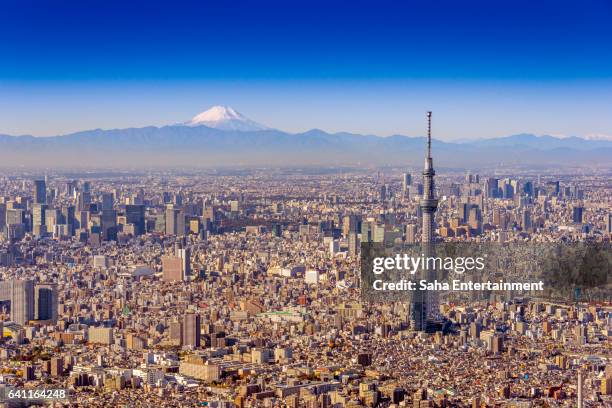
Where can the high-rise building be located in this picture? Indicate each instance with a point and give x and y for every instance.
(526, 220)
(18, 296)
(491, 187)
(15, 216)
(109, 224)
(191, 330)
(184, 254)
(107, 201)
(57, 366)
(135, 214)
(38, 219)
(45, 302)
(172, 268)
(83, 201)
(2, 216)
(171, 219)
(40, 192)
(67, 218)
(411, 230)
(176, 332)
(382, 193)
(353, 244)
(177, 267)
(577, 214)
(406, 182)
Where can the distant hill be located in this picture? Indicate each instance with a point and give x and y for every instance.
(238, 141)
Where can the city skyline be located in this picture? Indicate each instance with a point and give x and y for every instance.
(249, 204)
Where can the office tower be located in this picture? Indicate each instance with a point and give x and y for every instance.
(411, 230)
(67, 218)
(464, 212)
(107, 201)
(491, 187)
(424, 305)
(177, 267)
(378, 233)
(171, 220)
(577, 215)
(15, 225)
(382, 193)
(135, 214)
(109, 225)
(18, 295)
(2, 216)
(191, 330)
(172, 268)
(508, 190)
(353, 244)
(185, 256)
(83, 201)
(528, 188)
(475, 219)
(70, 188)
(45, 302)
(515, 187)
(406, 181)
(86, 187)
(526, 220)
(15, 216)
(38, 219)
(40, 192)
(57, 366)
(176, 332)
(609, 224)
(180, 223)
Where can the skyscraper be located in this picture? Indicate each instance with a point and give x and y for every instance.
(406, 181)
(40, 192)
(38, 219)
(577, 214)
(425, 303)
(107, 201)
(171, 219)
(45, 302)
(191, 330)
(20, 294)
(135, 214)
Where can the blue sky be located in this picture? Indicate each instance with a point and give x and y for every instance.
(485, 68)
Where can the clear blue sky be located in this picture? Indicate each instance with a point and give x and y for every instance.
(489, 68)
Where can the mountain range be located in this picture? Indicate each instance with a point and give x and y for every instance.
(222, 136)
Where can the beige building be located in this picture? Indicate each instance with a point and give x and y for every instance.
(101, 335)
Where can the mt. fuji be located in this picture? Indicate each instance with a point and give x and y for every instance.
(225, 118)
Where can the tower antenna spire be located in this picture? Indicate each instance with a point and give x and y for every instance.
(428, 134)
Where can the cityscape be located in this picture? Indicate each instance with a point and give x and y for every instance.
(321, 204)
(240, 288)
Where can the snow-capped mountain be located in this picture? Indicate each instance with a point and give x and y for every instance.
(225, 118)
